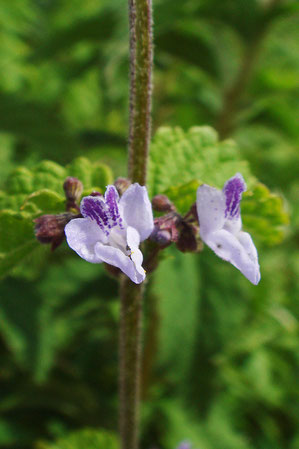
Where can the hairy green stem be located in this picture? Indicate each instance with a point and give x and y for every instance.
(130, 361)
(140, 16)
(141, 55)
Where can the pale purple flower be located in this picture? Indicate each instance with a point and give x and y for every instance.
(111, 229)
(184, 445)
(220, 226)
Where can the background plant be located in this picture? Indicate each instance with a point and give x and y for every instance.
(63, 94)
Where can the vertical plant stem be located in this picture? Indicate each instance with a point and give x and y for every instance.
(140, 17)
(130, 362)
(141, 55)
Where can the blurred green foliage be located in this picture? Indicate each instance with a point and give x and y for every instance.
(232, 382)
(84, 438)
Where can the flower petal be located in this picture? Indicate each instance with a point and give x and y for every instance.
(228, 247)
(114, 256)
(82, 234)
(133, 240)
(210, 209)
(136, 210)
(94, 208)
(248, 245)
(112, 199)
(233, 190)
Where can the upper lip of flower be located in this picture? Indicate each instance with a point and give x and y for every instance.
(220, 226)
(103, 210)
(112, 228)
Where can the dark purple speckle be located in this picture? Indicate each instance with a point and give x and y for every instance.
(233, 190)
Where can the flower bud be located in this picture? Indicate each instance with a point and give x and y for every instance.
(188, 240)
(121, 185)
(161, 236)
(73, 190)
(50, 228)
(161, 203)
(95, 193)
(166, 229)
(192, 216)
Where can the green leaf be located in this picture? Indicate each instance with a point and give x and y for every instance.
(84, 439)
(17, 239)
(181, 161)
(81, 168)
(14, 202)
(170, 290)
(44, 201)
(178, 157)
(90, 174)
(47, 177)
(183, 196)
(95, 29)
(192, 47)
(263, 215)
(101, 176)
(39, 191)
(20, 181)
(34, 123)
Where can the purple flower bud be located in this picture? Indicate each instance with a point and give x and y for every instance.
(96, 193)
(192, 215)
(161, 236)
(188, 240)
(166, 229)
(161, 203)
(73, 189)
(122, 184)
(50, 228)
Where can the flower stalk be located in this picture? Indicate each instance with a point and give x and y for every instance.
(141, 55)
(130, 361)
(141, 47)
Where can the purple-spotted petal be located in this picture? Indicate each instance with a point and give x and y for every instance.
(230, 248)
(210, 209)
(103, 210)
(133, 241)
(94, 208)
(136, 210)
(233, 190)
(114, 256)
(112, 199)
(82, 234)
